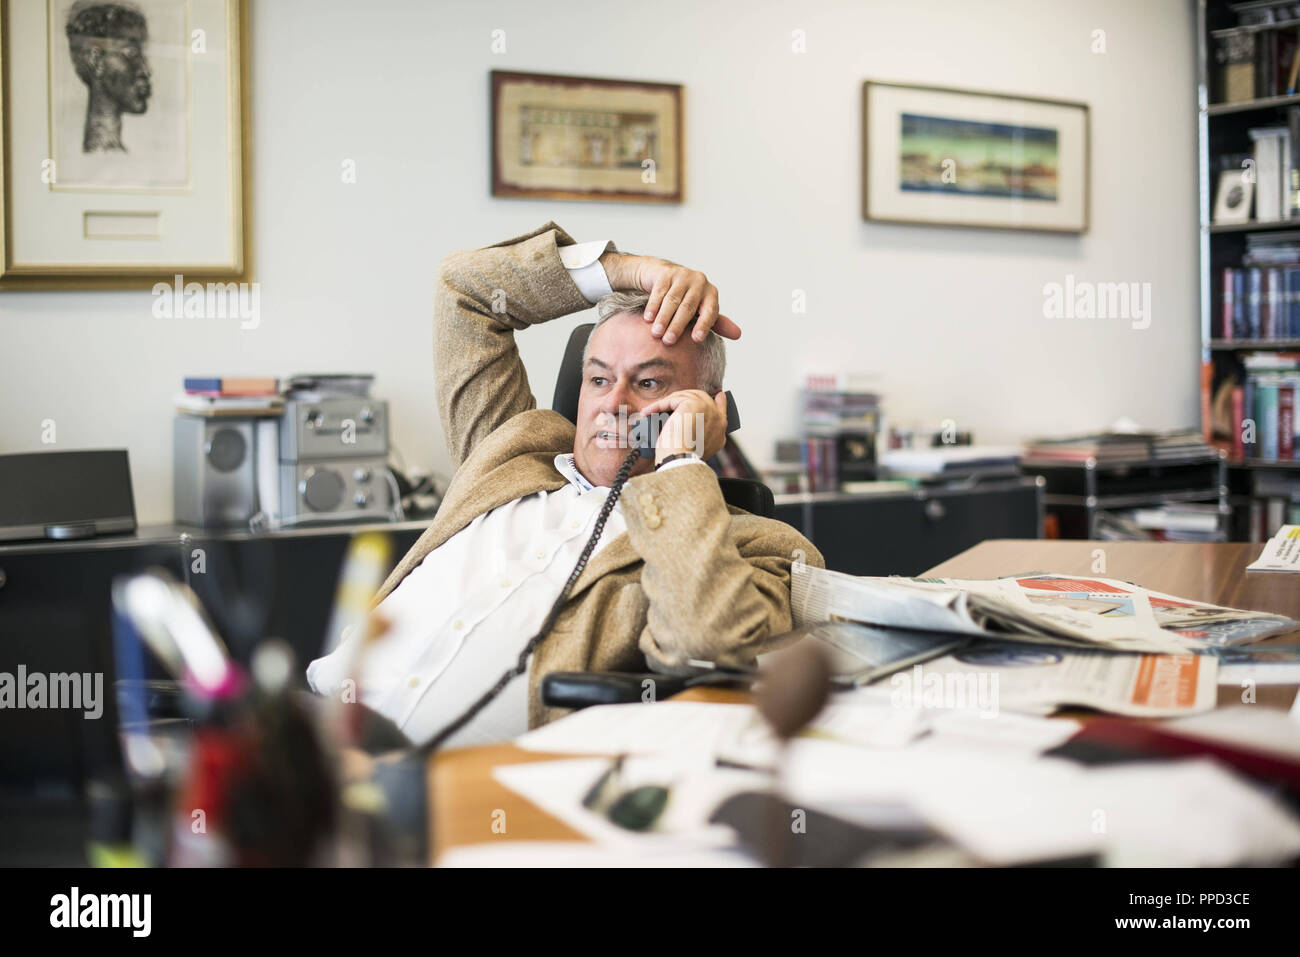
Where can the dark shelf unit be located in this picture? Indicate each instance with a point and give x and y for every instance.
(1223, 128)
(1078, 491)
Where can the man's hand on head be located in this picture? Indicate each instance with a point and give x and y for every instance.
(677, 296)
(698, 423)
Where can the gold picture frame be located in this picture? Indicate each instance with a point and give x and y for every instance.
(949, 157)
(584, 138)
(211, 197)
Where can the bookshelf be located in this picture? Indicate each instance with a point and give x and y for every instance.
(1247, 53)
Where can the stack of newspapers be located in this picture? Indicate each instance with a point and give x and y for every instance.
(1029, 643)
(1069, 610)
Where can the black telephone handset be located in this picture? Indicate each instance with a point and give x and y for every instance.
(645, 434)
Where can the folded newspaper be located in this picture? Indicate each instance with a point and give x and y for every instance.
(1170, 669)
(1062, 610)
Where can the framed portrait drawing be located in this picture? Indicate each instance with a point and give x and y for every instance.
(124, 141)
(959, 158)
(568, 137)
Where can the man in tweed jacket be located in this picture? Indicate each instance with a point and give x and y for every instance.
(689, 577)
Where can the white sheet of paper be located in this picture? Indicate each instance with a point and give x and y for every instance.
(588, 854)
(1009, 808)
(1270, 673)
(679, 727)
(696, 789)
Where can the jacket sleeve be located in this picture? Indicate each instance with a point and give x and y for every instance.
(481, 298)
(711, 596)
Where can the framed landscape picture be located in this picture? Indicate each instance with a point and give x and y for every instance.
(124, 141)
(568, 137)
(959, 158)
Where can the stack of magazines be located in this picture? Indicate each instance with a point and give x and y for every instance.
(1121, 447)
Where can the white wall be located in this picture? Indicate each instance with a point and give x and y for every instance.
(953, 319)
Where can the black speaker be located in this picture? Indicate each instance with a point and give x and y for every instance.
(65, 494)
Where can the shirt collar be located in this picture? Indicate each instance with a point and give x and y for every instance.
(565, 465)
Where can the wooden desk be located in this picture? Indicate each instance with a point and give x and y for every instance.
(466, 800)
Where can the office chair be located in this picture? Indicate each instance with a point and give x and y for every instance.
(753, 497)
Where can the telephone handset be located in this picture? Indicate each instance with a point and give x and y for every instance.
(645, 433)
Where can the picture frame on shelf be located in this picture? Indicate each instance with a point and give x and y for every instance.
(1232, 199)
(948, 157)
(585, 138)
(125, 142)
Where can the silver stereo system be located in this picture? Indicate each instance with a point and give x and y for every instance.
(325, 459)
(333, 461)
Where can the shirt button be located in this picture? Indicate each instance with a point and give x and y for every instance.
(415, 681)
(541, 553)
(654, 521)
(458, 624)
(505, 583)
(575, 524)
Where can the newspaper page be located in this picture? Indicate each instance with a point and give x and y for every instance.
(1281, 552)
(1020, 677)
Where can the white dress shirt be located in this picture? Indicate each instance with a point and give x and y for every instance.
(463, 615)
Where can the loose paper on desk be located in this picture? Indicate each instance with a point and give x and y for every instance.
(1010, 808)
(1281, 552)
(1018, 677)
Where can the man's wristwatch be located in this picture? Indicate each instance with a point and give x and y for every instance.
(675, 457)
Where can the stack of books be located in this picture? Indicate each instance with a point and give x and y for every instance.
(1269, 398)
(947, 463)
(841, 418)
(1106, 447)
(230, 395)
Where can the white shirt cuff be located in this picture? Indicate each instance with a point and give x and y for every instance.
(689, 460)
(583, 262)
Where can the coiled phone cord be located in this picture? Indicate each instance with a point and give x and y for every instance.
(521, 666)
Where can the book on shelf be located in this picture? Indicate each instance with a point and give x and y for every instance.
(231, 385)
(1266, 415)
(1272, 199)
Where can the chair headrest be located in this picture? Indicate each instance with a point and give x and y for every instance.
(569, 381)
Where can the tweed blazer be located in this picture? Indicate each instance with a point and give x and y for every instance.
(702, 580)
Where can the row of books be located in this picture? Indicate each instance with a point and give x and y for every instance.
(1260, 303)
(822, 463)
(1265, 406)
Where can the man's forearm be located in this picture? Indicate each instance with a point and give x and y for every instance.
(480, 298)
